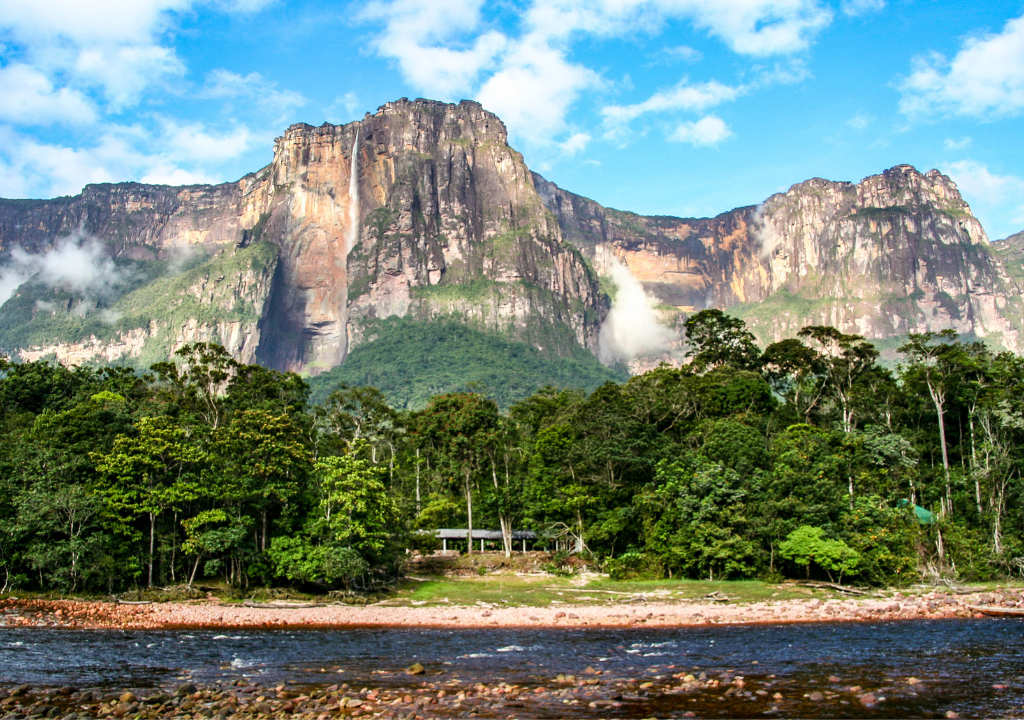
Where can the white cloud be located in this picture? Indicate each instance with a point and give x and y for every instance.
(77, 262)
(445, 49)
(632, 328)
(425, 38)
(109, 44)
(577, 142)
(961, 144)
(343, 109)
(684, 96)
(535, 89)
(685, 53)
(998, 200)
(193, 142)
(853, 8)
(175, 154)
(709, 130)
(29, 98)
(759, 27)
(860, 121)
(277, 106)
(985, 79)
(787, 72)
(975, 179)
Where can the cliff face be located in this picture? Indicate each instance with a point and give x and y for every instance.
(440, 218)
(896, 253)
(423, 210)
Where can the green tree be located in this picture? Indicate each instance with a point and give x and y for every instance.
(150, 472)
(808, 545)
(263, 460)
(938, 360)
(694, 519)
(456, 427)
(718, 339)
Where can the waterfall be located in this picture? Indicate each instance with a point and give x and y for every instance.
(353, 198)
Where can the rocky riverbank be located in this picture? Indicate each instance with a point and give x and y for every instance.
(420, 693)
(213, 613)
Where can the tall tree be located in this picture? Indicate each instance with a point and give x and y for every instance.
(937, 358)
(720, 339)
(150, 472)
(456, 427)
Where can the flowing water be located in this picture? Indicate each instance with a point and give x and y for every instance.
(352, 236)
(958, 661)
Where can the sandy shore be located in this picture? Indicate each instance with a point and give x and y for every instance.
(214, 614)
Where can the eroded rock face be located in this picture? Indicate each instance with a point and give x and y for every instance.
(896, 253)
(442, 219)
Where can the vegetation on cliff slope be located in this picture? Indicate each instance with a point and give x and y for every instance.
(143, 294)
(411, 361)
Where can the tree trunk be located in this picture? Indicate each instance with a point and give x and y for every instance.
(939, 401)
(417, 481)
(503, 518)
(192, 577)
(506, 533)
(152, 543)
(174, 544)
(469, 517)
(263, 539)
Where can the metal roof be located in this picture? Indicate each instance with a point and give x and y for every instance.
(460, 534)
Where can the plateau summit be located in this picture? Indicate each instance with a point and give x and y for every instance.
(422, 211)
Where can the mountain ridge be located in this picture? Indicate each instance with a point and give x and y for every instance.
(442, 218)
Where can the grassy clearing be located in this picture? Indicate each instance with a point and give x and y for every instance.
(544, 590)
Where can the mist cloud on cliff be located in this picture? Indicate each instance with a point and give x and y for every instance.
(76, 263)
(632, 328)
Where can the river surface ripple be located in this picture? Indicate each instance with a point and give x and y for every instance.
(958, 661)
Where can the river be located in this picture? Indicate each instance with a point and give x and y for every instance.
(958, 662)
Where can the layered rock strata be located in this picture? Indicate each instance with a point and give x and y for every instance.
(446, 218)
(422, 209)
(896, 253)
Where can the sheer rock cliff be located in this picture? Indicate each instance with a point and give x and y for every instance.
(446, 220)
(898, 252)
(294, 263)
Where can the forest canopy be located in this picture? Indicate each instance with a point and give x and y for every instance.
(805, 459)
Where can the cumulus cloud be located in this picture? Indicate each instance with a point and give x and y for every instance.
(985, 79)
(684, 96)
(535, 89)
(30, 98)
(446, 48)
(632, 328)
(961, 144)
(77, 263)
(576, 143)
(428, 39)
(173, 153)
(998, 200)
(709, 130)
(112, 45)
(254, 89)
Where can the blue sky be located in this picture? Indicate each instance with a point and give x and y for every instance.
(680, 107)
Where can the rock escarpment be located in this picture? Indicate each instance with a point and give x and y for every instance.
(423, 210)
(441, 218)
(896, 253)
